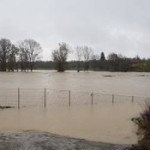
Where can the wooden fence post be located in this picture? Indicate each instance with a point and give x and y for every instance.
(69, 97)
(132, 99)
(18, 98)
(113, 98)
(44, 97)
(92, 95)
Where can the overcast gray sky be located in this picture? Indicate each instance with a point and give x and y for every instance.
(120, 26)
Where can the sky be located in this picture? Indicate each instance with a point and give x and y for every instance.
(119, 26)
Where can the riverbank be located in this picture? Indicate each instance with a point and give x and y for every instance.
(47, 141)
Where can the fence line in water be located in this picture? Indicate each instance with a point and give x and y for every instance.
(23, 97)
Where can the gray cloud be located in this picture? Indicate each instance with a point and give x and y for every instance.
(121, 26)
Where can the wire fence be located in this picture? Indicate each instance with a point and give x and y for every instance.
(24, 97)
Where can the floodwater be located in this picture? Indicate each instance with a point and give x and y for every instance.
(100, 120)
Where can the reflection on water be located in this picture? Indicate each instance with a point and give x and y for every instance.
(105, 122)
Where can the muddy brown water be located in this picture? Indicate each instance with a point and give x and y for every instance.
(103, 121)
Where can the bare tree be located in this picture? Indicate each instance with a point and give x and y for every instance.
(11, 65)
(79, 54)
(94, 63)
(23, 59)
(60, 56)
(29, 52)
(87, 54)
(113, 57)
(95, 57)
(5, 50)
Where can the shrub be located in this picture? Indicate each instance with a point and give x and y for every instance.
(143, 123)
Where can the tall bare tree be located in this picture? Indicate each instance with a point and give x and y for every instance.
(5, 50)
(11, 64)
(87, 54)
(23, 59)
(79, 54)
(60, 56)
(95, 62)
(29, 52)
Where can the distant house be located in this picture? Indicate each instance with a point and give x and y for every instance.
(136, 63)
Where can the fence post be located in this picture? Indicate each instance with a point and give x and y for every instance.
(113, 98)
(44, 97)
(92, 95)
(18, 98)
(132, 99)
(69, 97)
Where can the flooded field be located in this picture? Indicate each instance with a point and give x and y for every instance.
(101, 121)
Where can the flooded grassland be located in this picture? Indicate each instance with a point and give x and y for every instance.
(97, 120)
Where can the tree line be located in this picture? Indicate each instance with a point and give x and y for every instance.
(25, 56)
(20, 56)
(87, 60)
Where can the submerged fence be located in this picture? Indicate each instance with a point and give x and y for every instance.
(23, 97)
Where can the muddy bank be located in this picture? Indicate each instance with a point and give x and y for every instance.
(47, 141)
